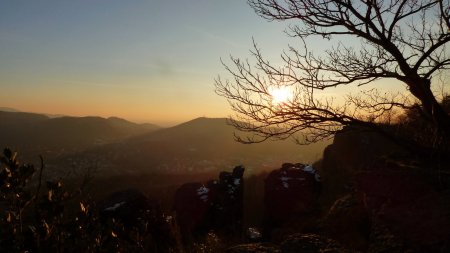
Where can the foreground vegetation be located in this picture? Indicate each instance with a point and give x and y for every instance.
(46, 217)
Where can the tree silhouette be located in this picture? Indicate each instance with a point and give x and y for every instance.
(400, 39)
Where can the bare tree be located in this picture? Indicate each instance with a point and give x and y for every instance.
(406, 40)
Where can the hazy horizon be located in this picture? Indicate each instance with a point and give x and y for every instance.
(147, 61)
(160, 124)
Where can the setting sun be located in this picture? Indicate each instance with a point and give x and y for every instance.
(281, 94)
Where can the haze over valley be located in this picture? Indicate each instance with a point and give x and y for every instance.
(116, 146)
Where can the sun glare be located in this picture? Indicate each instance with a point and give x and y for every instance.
(280, 95)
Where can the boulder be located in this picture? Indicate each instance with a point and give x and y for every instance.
(228, 205)
(127, 206)
(253, 234)
(409, 207)
(383, 240)
(192, 205)
(135, 212)
(354, 149)
(290, 196)
(408, 201)
(348, 221)
(216, 205)
(295, 243)
(311, 243)
(254, 248)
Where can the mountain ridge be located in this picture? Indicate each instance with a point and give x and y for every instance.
(40, 134)
(201, 144)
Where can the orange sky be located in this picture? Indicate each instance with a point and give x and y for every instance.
(146, 61)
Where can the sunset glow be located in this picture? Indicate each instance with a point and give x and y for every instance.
(124, 58)
(280, 95)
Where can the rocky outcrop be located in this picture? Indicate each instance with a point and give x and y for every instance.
(310, 243)
(290, 197)
(348, 221)
(410, 207)
(192, 206)
(255, 248)
(130, 210)
(353, 150)
(383, 240)
(216, 205)
(408, 212)
(126, 206)
(295, 243)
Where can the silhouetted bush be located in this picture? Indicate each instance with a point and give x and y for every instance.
(418, 128)
(36, 220)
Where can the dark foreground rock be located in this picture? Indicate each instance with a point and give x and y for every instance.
(310, 243)
(255, 248)
(348, 221)
(408, 206)
(295, 243)
(131, 211)
(290, 199)
(216, 205)
(408, 200)
(127, 206)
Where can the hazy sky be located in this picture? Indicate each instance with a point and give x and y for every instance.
(144, 60)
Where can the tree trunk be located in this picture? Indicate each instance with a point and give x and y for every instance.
(420, 88)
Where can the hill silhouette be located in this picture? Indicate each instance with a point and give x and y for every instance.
(35, 134)
(199, 145)
(8, 109)
(119, 146)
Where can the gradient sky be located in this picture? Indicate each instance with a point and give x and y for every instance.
(147, 61)
(143, 60)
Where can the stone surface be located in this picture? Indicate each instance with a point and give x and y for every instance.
(310, 243)
(348, 221)
(138, 213)
(290, 197)
(254, 248)
(407, 201)
(127, 206)
(409, 206)
(216, 205)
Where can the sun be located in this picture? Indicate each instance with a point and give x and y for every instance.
(280, 94)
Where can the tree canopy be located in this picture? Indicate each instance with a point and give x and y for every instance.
(404, 40)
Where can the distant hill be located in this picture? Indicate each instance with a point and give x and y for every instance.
(119, 146)
(202, 144)
(35, 134)
(8, 109)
